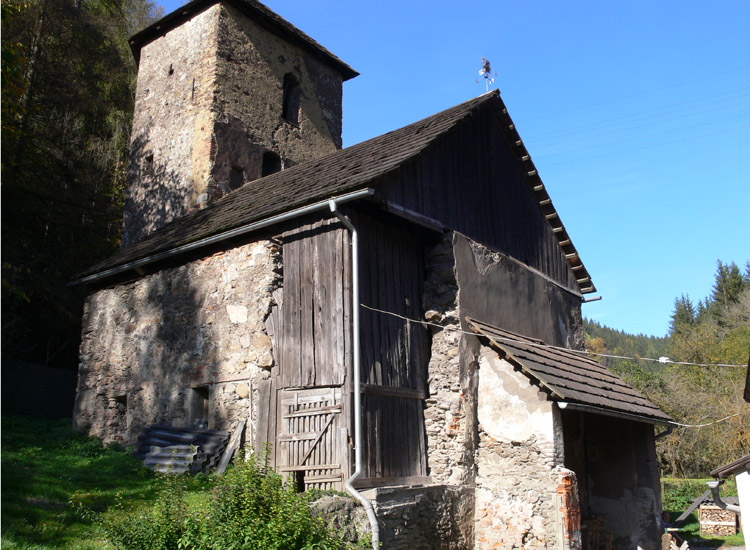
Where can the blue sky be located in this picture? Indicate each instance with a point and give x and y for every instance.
(636, 114)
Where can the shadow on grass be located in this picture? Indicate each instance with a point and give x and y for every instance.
(46, 468)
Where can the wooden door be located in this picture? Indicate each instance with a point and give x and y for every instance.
(311, 443)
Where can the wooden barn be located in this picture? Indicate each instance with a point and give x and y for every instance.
(399, 316)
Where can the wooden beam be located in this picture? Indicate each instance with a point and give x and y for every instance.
(392, 391)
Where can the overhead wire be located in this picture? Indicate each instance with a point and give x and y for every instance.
(639, 94)
(630, 116)
(548, 346)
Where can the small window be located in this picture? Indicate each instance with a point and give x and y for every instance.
(291, 102)
(148, 164)
(271, 164)
(236, 178)
(199, 405)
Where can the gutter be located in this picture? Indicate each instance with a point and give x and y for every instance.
(714, 486)
(356, 381)
(135, 264)
(617, 414)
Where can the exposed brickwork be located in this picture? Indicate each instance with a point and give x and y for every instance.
(146, 344)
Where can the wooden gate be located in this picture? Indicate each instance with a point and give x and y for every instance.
(311, 440)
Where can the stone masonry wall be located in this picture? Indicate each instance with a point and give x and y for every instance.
(147, 344)
(172, 124)
(517, 461)
(251, 68)
(209, 107)
(424, 518)
(449, 456)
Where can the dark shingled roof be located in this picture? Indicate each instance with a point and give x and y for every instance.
(352, 169)
(255, 11)
(569, 376)
(728, 470)
(346, 170)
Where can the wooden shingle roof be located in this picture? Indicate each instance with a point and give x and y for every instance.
(352, 168)
(569, 376)
(355, 168)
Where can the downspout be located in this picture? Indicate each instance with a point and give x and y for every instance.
(714, 486)
(356, 381)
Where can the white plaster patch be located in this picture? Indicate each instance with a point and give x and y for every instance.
(509, 408)
(237, 314)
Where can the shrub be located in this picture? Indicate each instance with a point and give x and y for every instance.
(248, 508)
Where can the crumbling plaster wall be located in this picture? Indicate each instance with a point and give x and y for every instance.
(488, 429)
(147, 343)
(518, 458)
(209, 106)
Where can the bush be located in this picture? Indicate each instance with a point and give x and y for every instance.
(248, 508)
(678, 494)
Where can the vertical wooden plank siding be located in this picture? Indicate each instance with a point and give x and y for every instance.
(314, 340)
(470, 181)
(392, 272)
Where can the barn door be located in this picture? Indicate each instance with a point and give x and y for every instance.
(311, 443)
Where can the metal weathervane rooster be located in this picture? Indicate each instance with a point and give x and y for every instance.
(486, 73)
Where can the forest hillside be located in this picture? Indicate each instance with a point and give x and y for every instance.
(705, 395)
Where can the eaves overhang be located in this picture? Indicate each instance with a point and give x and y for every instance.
(543, 200)
(255, 11)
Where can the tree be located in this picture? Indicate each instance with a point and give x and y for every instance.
(683, 315)
(67, 100)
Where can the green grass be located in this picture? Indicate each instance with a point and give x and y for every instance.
(63, 490)
(46, 469)
(678, 494)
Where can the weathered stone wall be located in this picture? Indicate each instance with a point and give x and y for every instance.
(172, 124)
(147, 344)
(428, 518)
(447, 426)
(516, 484)
(252, 63)
(209, 107)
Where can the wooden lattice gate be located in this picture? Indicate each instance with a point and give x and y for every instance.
(311, 440)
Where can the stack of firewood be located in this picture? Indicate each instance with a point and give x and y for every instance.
(716, 521)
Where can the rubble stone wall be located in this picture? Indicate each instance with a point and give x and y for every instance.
(517, 457)
(172, 123)
(151, 346)
(209, 107)
(424, 518)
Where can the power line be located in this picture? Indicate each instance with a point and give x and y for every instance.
(645, 92)
(663, 360)
(651, 146)
(587, 134)
(629, 117)
(706, 424)
(642, 137)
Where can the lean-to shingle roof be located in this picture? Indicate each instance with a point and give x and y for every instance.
(569, 376)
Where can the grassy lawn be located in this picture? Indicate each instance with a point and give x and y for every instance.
(46, 469)
(678, 494)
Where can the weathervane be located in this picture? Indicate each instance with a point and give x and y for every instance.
(486, 73)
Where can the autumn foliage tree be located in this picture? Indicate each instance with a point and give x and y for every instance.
(715, 332)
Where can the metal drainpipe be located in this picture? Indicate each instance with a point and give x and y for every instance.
(356, 380)
(714, 486)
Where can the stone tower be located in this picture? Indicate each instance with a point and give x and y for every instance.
(227, 92)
